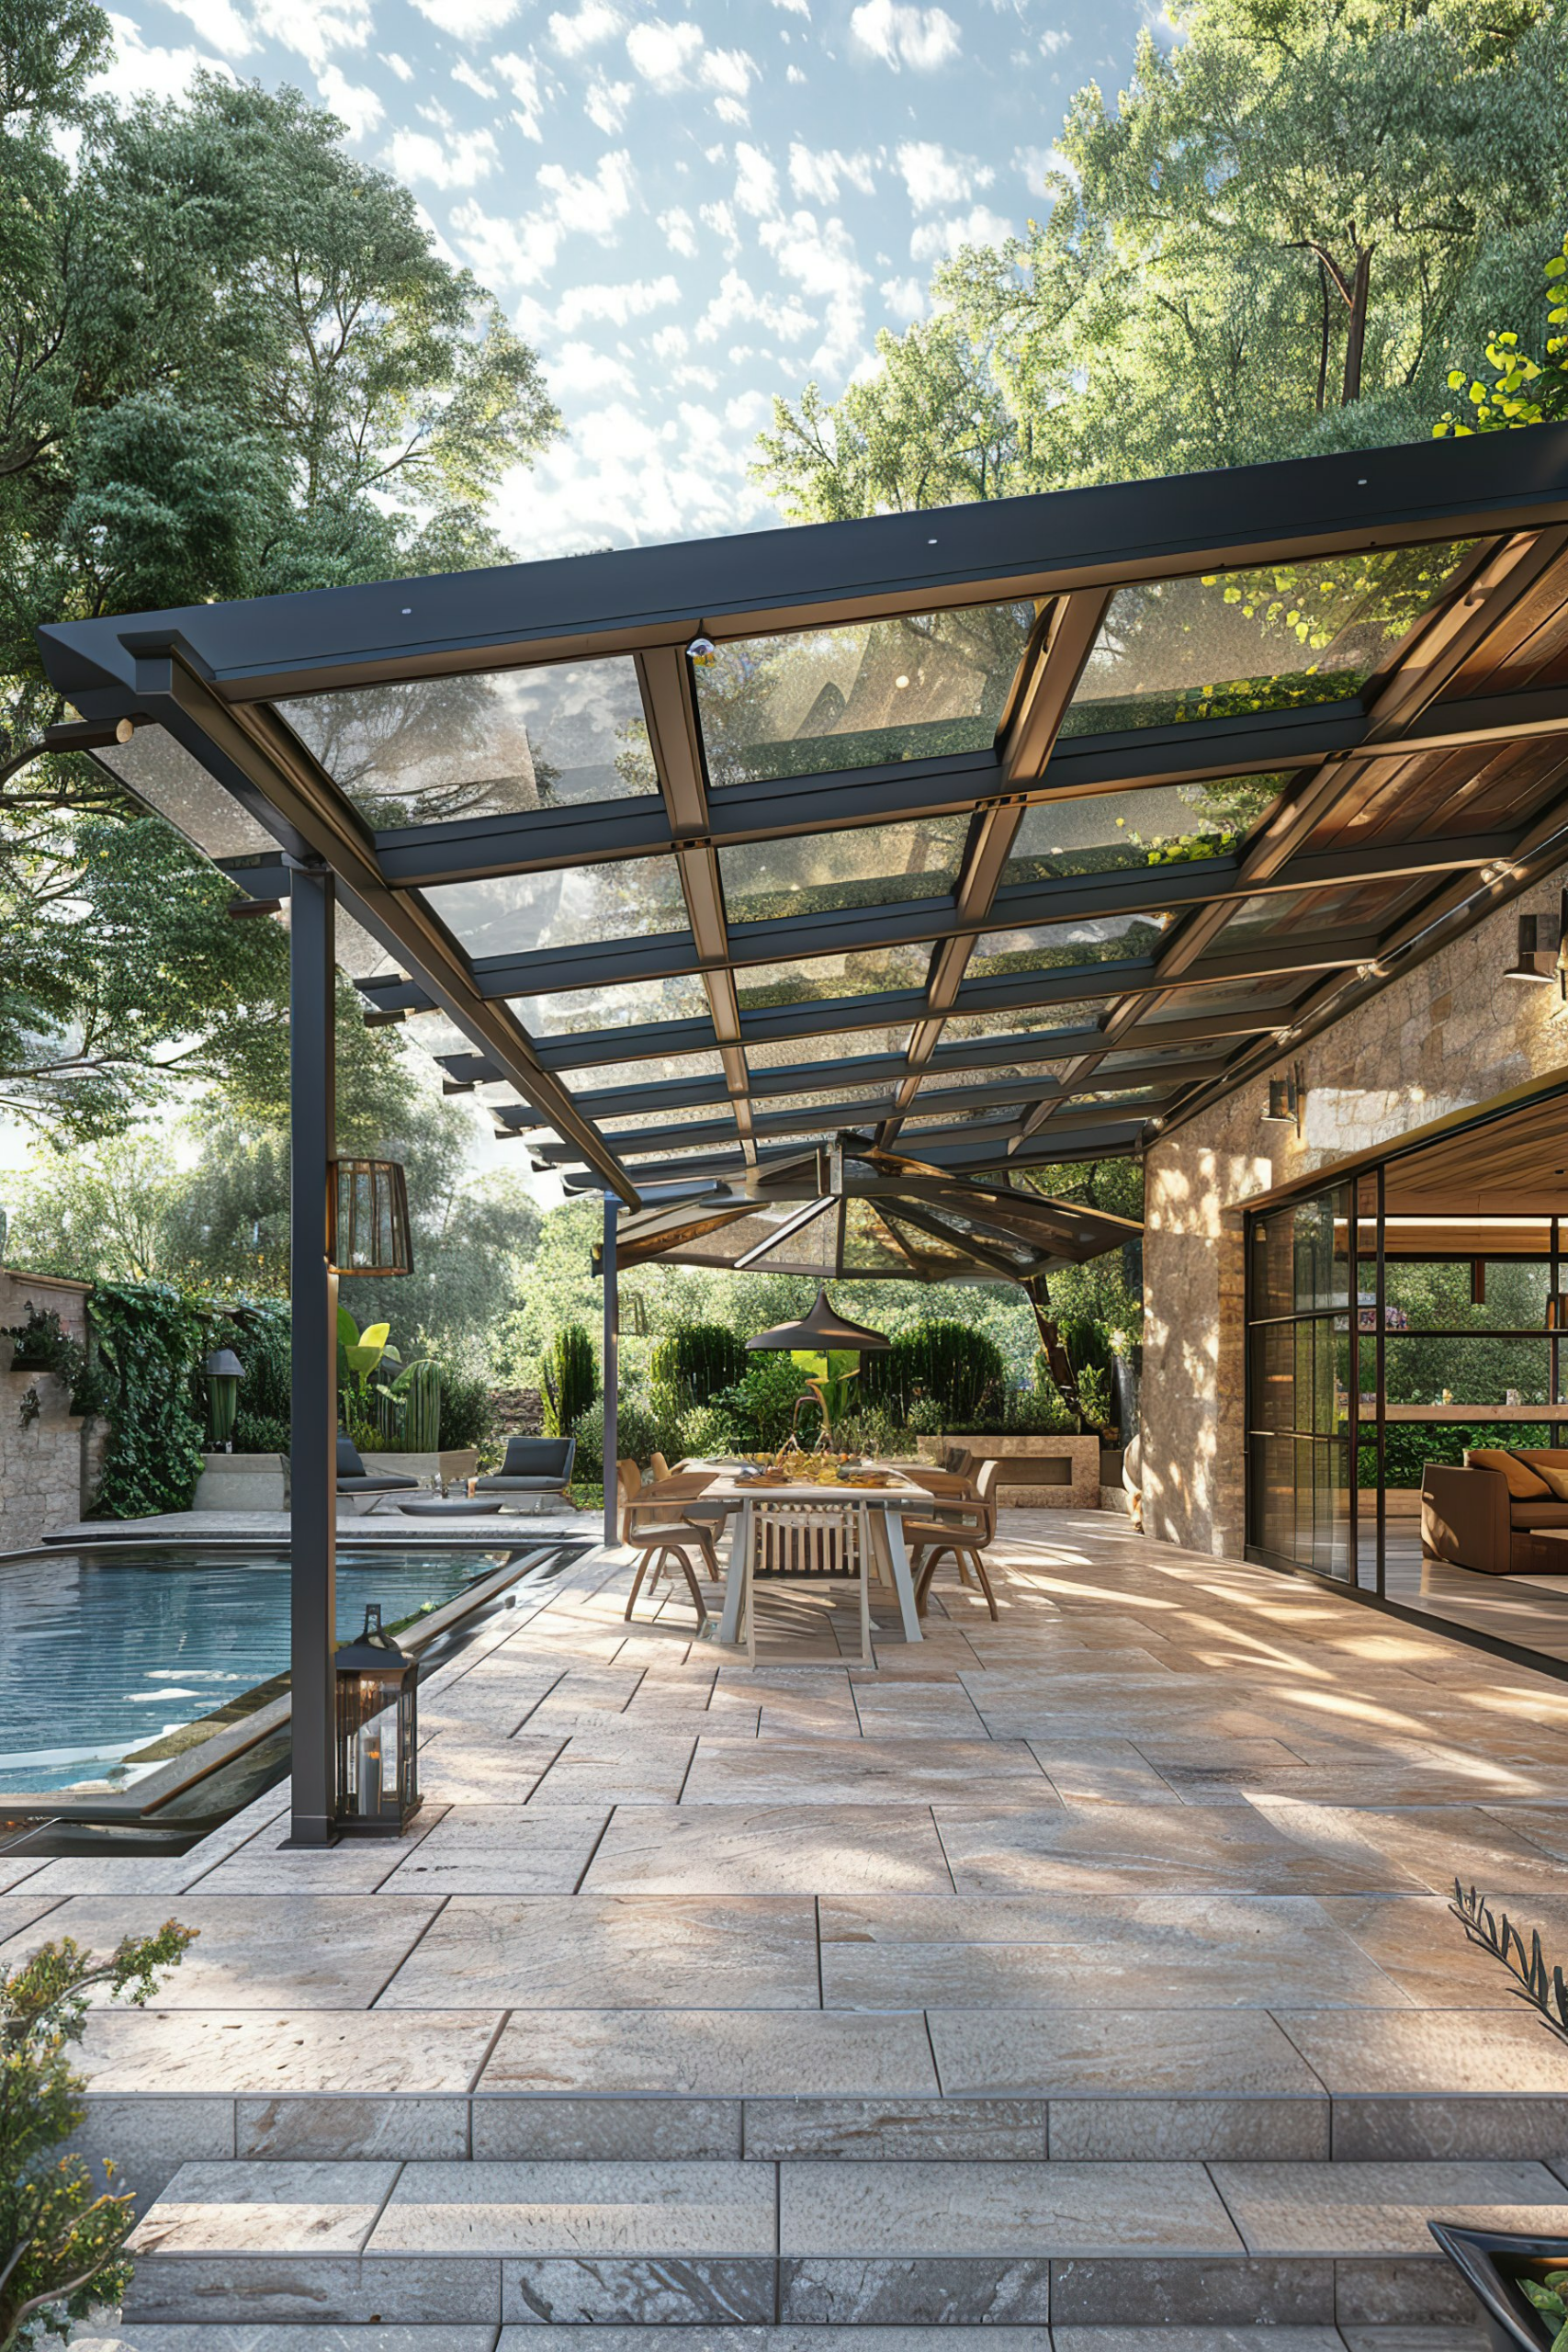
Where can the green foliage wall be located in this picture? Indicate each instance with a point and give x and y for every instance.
(150, 1341)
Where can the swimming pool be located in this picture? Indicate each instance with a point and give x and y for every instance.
(102, 1651)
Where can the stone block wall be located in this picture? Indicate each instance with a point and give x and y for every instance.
(1449, 1036)
(49, 1466)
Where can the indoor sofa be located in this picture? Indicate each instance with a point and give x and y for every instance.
(1484, 1516)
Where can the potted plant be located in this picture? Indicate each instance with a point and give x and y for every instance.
(1518, 2281)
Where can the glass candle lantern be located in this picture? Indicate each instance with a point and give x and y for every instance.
(378, 1734)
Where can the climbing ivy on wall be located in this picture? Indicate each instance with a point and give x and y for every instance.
(150, 1341)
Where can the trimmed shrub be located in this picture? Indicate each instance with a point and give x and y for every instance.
(692, 1364)
(468, 1410)
(638, 1433)
(958, 1368)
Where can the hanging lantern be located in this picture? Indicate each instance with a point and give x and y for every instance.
(822, 1328)
(224, 1373)
(368, 1218)
(378, 1734)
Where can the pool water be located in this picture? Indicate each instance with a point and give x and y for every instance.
(102, 1652)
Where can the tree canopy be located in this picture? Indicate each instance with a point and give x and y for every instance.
(232, 363)
(1277, 238)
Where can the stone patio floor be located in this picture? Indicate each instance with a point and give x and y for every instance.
(1079, 1972)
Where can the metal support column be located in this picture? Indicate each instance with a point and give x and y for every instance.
(612, 1365)
(314, 1296)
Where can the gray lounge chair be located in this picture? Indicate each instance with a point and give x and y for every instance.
(534, 1466)
(354, 1479)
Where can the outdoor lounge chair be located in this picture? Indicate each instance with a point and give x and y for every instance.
(353, 1478)
(534, 1466)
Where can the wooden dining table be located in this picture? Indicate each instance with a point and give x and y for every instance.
(880, 1510)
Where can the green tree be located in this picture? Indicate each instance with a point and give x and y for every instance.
(1269, 243)
(1522, 391)
(231, 362)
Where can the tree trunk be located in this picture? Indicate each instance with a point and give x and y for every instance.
(1355, 340)
(1323, 337)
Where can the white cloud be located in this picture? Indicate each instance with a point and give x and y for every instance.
(521, 76)
(472, 79)
(624, 481)
(661, 53)
(793, 73)
(399, 65)
(590, 202)
(904, 296)
(615, 303)
(933, 176)
(720, 219)
(359, 107)
(738, 301)
(594, 21)
(921, 39)
(219, 23)
(140, 69)
(756, 182)
(671, 343)
(467, 19)
(816, 173)
(606, 104)
(729, 70)
(415, 155)
(731, 112)
(315, 31)
(795, 7)
(819, 256)
(583, 367)
(680, 234)
(1053, 40)
(938, 240)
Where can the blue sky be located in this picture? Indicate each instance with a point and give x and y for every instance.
(685, 212)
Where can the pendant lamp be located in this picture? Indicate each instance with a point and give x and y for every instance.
(819, 1329)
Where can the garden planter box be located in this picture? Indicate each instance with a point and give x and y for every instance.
(1044, 1473)
(455, 1464)
(243, 1482)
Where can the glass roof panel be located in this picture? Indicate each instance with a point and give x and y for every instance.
(657, 1156)
(952, 1081)
(1086, 1086)
(984, 1114)
(865, 1240)
(1276, 637)
(1079, 1013)
(843, 1096)
(652, 1116)
(1337, 906)
(1103, 939)
(844, 1044)
(1220, 997)
(927, 1245)
(1138, 1057)
(603, 1078)
(159, 770)
(436, 1035)
(569, 906)
(869, 865)
(579, 1012)
(487, 745)
(863, 695)
(1114, 830)
(861, 972)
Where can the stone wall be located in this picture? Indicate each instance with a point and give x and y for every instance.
(49, 1467)
(1449, 1036)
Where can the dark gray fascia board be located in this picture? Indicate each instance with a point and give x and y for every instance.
(589, 605)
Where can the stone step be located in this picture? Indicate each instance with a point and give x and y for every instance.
(132, 2337)
(736, 2086)
(809, 2243)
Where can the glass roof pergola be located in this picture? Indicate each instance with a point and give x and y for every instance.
(981, 837)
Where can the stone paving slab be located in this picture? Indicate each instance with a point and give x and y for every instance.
(309, 2051)
(654, 1952)
(670, 2209)
(712, 2053)
(1110, 1849)
(1034, 2210)
(330, 1951)
(770, 1850)
(261, 2208)
(1345, 2208)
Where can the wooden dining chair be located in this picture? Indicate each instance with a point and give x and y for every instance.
(665, 1542)
(931, 1541)
(813, 1543)
(658, 1468)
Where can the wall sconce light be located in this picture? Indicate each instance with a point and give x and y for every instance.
(368, 1218)
(1287, 1099)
